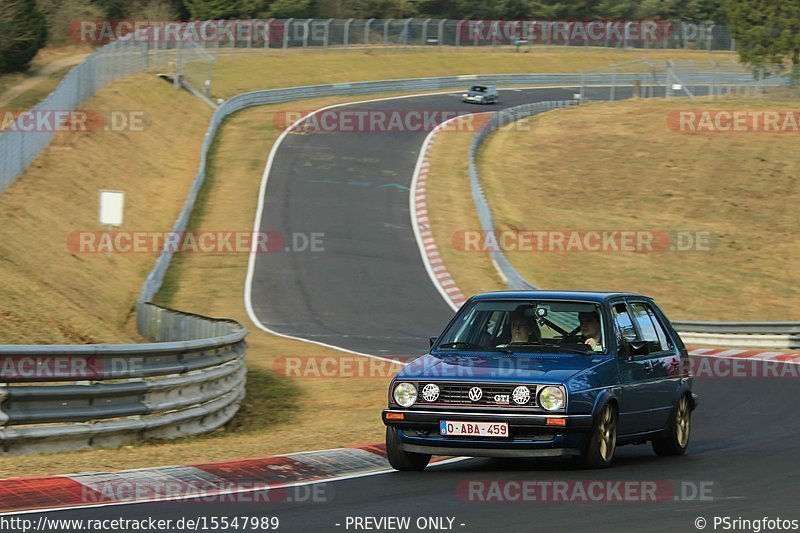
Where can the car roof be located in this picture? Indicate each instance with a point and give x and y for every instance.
(589, 296)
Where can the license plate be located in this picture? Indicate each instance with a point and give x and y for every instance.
(473, 429)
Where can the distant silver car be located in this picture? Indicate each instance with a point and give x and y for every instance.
(480, 94)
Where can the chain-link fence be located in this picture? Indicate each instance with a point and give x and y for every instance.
(422, 34)
(679, 78)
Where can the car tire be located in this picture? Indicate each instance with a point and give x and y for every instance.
(679, 429)
(599, 451)
(400, 460)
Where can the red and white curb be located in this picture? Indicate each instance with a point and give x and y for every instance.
(269, 476)
(751, 355)
(431, 256)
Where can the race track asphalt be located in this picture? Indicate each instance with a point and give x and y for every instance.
(368, 291)
(743, 454)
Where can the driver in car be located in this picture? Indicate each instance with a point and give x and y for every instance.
(590, 330)
(524, 330)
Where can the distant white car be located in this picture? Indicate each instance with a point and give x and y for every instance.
(480, 94)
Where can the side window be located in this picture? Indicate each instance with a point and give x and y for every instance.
(622, 319)
(652, 332)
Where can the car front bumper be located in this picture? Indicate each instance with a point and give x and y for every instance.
(530, 434)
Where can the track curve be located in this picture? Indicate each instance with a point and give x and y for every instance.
(369, 291)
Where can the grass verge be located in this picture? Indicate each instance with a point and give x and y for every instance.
(51, 291)
(236, 73)
(619, 166)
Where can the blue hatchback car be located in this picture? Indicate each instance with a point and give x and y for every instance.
(544, 374)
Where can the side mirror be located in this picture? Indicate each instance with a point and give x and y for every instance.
(639, 348)
(433, 341)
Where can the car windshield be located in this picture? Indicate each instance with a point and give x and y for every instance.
(478, 89)
(515, 326)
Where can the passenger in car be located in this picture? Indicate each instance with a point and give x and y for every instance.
(590, 329)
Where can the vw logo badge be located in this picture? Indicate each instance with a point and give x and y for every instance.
(430, 392)
(475, 394)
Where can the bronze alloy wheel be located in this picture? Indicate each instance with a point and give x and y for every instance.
(607, 433)
(683, 421)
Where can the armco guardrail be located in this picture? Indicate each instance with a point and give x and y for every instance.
(57, 398)
(782, 335)
(751, 334)
(513, 279)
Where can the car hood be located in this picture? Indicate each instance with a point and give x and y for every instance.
(475, 93)
(528, 367)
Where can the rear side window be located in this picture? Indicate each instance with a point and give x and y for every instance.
(651, 328)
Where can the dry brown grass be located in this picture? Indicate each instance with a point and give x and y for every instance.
(618, 166)
(51, 294)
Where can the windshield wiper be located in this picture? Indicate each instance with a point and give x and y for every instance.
(506, 348)
(460, 344)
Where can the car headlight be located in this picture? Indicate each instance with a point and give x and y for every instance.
(405, 394)
(551, 398)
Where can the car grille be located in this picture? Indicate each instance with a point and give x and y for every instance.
(458, 394)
